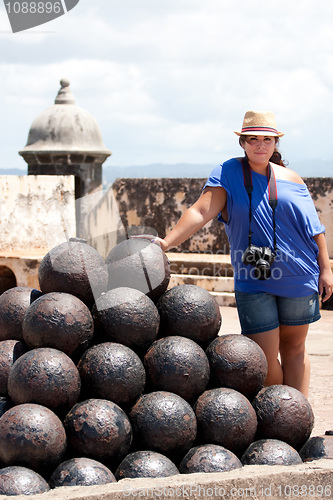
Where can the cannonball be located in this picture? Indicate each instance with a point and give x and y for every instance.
(317, 447)
(10, 351)
(270, 452)
(47, 377)
(163, 422)
(177, 364)
(138, 263)
(283, 413)
(13, 304)
(17, 480)
(81, 471)
(74, 267)
(58, 320)
(237, 362)
(189, 311)
(98, 429)
(209, 458)
(32, 435)
(111, 371)
(126, 316)
(145, 464)
(227, 418)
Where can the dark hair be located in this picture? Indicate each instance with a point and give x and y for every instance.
(276, 156)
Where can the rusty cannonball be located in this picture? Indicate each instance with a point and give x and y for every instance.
(13, 305)
(283, 413)
(81, 471)
(145, 464)
(127, 316)
(98, 429)
(33, 436)
(74, 267)
(17, 480)
(237, 362)
(111, 371)
(270, 452)
(163, 422)
(177, 364)
(47, 377)
(10, 351)
(189, 311)
(138, 263)
(317, 447)
(227, 418)
(58, 320)
(209, 458)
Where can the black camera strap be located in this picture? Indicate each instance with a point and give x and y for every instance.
(272, 194)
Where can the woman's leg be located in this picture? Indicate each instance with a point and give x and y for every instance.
(294, 358)
(270, 342)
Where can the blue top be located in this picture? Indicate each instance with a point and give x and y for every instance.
(295, 270)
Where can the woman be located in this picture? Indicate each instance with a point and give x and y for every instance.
(279, 254)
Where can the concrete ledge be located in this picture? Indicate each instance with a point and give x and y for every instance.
(260, 482)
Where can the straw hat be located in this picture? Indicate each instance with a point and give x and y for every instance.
(259, 123)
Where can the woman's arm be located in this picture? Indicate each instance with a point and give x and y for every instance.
(325, 275)
(211, 202)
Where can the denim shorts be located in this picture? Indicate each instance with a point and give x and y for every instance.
(261, 312)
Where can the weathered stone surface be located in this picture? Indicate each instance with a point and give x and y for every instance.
(159, 203)
(37, 212)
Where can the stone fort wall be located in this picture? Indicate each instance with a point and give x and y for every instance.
(39, 212)
(159, 203)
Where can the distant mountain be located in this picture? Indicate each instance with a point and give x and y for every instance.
(156, 170)
(306, 168)
(313, 168)
(13, 171)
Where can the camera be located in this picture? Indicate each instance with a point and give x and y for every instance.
(261, 258)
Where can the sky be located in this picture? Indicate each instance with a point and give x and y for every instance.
(168, 81)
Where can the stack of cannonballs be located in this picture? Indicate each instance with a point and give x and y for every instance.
(106, 374)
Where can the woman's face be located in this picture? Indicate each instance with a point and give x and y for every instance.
(259, 149)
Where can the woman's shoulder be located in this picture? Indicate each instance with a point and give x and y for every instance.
(286, 174)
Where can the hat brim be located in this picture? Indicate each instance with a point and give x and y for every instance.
(263, 133)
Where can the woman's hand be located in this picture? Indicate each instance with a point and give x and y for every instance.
(325, 284)
(161, 242)
(325, 281)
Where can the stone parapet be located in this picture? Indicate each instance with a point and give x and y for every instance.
(159, 203)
